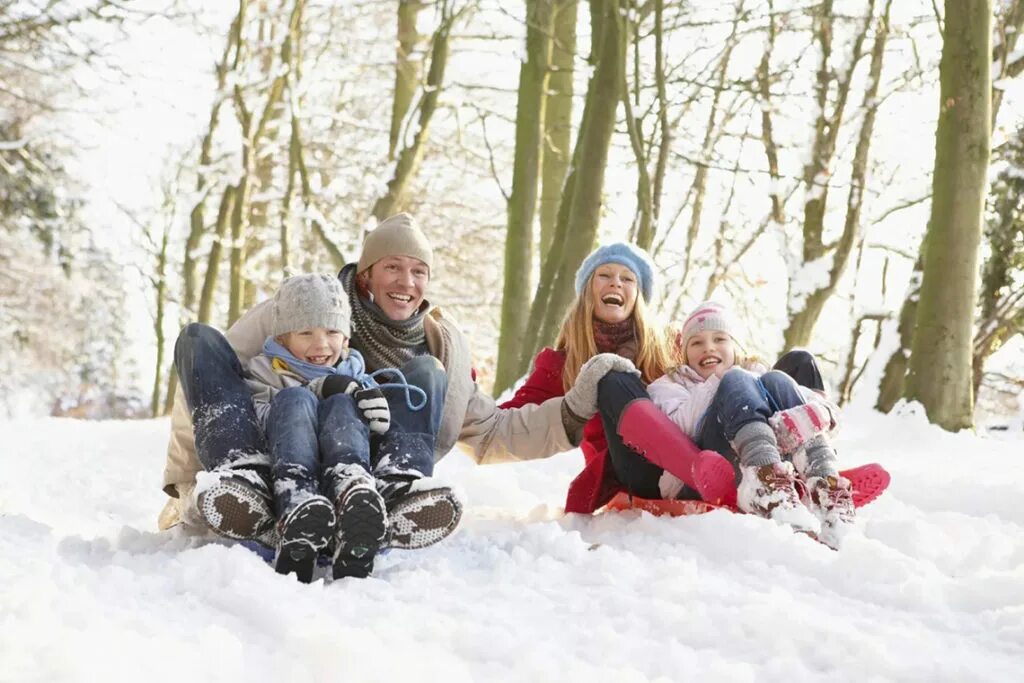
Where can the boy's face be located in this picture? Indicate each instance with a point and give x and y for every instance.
(711, 352)
(317, 345)
(398, 285)
(613, 288)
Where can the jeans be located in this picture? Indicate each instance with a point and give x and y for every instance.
(743, 398)
(224, 421)
(636, 473)
(310, 438)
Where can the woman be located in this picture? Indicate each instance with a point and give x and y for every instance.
(610, 316)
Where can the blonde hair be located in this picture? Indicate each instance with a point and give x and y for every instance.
(576, 338)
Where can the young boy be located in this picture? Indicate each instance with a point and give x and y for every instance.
(318, 409)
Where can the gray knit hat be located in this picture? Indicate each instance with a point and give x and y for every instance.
(396, 236)
(312, 300)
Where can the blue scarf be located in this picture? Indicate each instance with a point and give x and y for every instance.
(353, 366)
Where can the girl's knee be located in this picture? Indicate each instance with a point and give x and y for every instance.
(737, 376)
(776, 381)
(424, 370)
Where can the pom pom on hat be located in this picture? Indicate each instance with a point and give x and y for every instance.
(629, 255)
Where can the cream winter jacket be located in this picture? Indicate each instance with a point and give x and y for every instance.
(488, 434)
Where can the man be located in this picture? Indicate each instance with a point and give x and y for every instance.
(393, 325)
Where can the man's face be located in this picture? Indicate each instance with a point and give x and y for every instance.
(398, 285)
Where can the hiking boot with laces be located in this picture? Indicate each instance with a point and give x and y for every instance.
(303, 532)
(360, 531)
(236, 503)
(830, 499)
(770, 491)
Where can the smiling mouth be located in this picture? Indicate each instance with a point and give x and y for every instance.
(318, 360)
(708, 362)
(403, 299)
(612, 300)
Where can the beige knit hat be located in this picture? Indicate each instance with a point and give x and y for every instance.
(396, 236)
(312, 300)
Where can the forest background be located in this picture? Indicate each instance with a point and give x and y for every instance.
(167, 161)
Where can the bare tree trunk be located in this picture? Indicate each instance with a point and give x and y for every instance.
(557, 120)
(940, 361)
(579, 213)
(227, 209)
(891, 387)
(710, 137)
(806, 307)
(158, 323)
(409, 158)
(522, 205)
(407, 69)
(802, 322)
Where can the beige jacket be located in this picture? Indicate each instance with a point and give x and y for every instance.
(488, 434)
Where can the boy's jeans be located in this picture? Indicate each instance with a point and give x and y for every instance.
(311, 441)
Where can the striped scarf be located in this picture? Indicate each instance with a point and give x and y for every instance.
(384, 343)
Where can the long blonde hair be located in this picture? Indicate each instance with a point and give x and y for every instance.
(576, 338)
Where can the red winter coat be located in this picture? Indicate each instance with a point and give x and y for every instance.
(596, 484)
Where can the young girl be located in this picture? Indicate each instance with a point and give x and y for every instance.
(318, 408)
(746, 415)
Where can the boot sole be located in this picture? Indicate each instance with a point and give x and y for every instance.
(305, 532)
(423, 518)
(236, 510)
(362, 526)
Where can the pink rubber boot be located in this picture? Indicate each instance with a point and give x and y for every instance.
(650, 432)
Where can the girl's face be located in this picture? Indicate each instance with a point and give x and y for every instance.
(613, 287)
(317, 345)
(711, 352)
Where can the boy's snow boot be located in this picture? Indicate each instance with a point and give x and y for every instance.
(304, 531)
(770, 491)
(360, 530)
(652, 434)
(421, 510)
(831, 500)
(237, 503)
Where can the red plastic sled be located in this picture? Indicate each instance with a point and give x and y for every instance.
(868, 481)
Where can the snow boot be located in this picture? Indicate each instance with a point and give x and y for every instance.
(830, 499)
(651, 433)
(236, 503)
(304, 531)
(361, 529)
(421, 510)
(770, 491)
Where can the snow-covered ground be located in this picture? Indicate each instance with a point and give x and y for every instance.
(931, 590)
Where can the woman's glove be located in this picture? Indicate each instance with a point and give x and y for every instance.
(581, 399)
(374, 407)
(330, 385)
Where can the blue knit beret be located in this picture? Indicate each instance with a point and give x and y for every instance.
(629, 255)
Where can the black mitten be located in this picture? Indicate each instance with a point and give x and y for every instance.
(374, 407)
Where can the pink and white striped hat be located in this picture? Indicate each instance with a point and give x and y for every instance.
(708, 316)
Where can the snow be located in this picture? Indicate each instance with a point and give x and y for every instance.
(929, 587)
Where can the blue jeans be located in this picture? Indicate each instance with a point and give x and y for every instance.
(223, 418)
(308, 437)
(407, 448)
(743, 398)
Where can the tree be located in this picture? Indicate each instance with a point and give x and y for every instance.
(579, 212)
(940, 362)
(522, 204)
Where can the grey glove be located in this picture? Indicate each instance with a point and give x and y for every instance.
(581, 399)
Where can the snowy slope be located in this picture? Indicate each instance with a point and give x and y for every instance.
(933, 590)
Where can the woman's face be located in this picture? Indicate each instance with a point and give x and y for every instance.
(614, 289)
